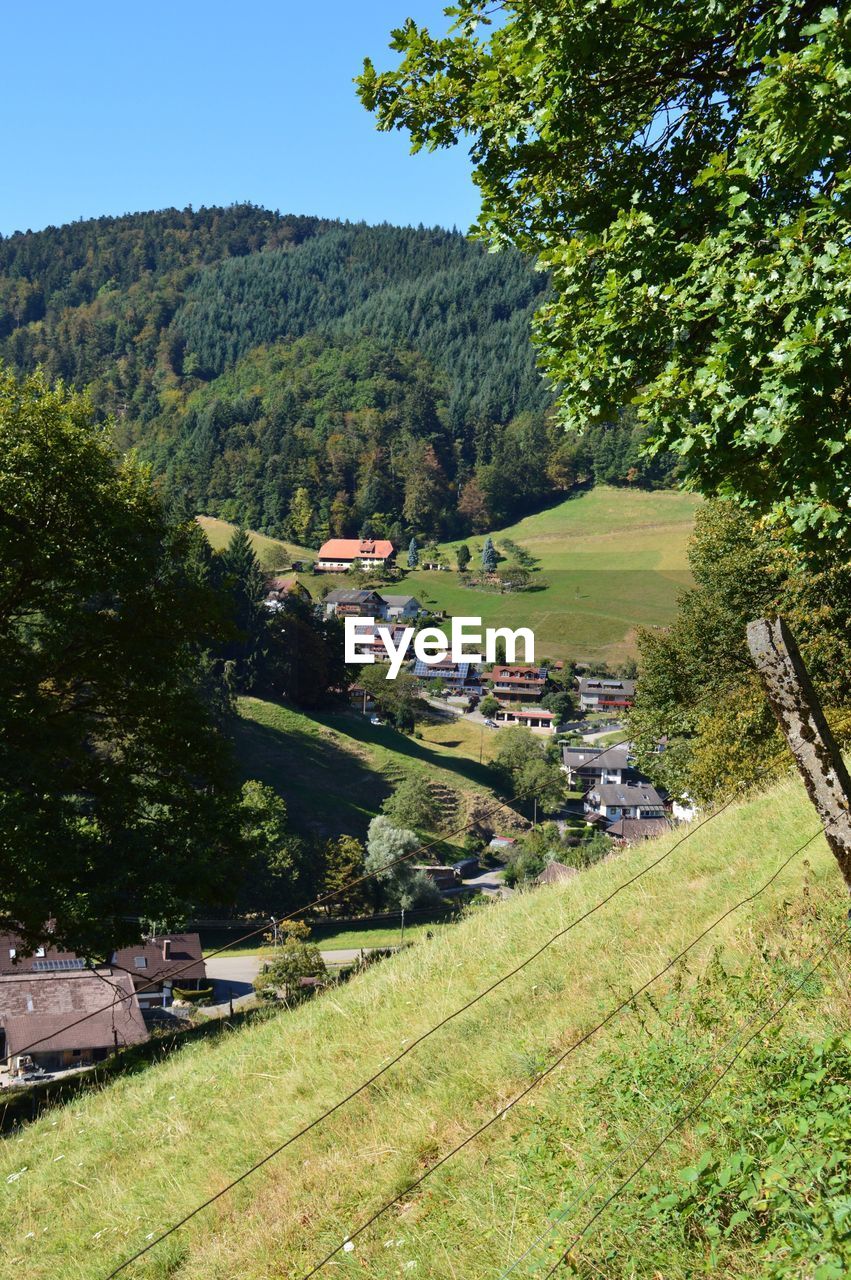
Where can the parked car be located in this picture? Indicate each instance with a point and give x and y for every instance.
(492, 724)
(375, 720)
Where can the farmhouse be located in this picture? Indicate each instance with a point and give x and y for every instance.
(67, 1018)
(518, 683)
(401, 608)
(158, 965)
(337, 555)
(633, 830)
(602, 693)
(612, 800)
(279, 588)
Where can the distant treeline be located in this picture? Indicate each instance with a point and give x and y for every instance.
(307, 377)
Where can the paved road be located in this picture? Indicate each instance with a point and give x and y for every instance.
(489, 882)
(234, 975)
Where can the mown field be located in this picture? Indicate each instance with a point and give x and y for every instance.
(90, 1183)
(611, 560)
(273, 553)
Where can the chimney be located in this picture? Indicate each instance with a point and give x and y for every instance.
(166, 948)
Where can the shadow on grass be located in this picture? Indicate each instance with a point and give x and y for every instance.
(400, 744)
(328, 790)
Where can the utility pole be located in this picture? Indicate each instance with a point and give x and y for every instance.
(800, 716)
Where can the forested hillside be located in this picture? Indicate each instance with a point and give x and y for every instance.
(307, 377)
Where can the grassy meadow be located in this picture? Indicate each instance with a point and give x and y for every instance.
(334, 769)
(611, 559)
(95, 1180)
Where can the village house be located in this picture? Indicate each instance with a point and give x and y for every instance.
(350, 603)
(156, 964)
(161, 964)
(401, 608)
(633, 830)
(337, 555)
(586, 765)
(613, 800)
(54, 1019)
(279, 589)
(457, 675)
(555, 873)
(604, 693)
(518, 683)
(530, 717)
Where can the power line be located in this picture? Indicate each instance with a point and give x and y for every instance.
(323, 898)
(558, 1061)
(424, 1036)
(648, 1128)
(263, 928)
(687, 1115)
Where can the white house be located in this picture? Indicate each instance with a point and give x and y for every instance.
(613, 800)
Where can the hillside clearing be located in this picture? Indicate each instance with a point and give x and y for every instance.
(90, 1183)
(273, 553)
(335, 769)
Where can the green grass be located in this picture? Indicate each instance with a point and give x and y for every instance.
(346, 939)
(273, 553)
(612, 559)
(91, 1182)
(335, 769)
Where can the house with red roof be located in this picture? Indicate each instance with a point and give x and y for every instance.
(337, 555)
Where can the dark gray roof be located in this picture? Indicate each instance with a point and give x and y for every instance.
(594, 760)
(350, 595)
(605, 684)
(628, 793)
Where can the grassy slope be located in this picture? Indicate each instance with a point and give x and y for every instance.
(272, 553)
(612, 559)
(334, 770)
(106, 1171)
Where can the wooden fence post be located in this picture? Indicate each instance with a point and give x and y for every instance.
(799, 713)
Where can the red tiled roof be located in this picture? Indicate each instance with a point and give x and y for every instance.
(355, 548)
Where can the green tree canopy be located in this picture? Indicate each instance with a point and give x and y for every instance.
(116, 791)
(683, 174)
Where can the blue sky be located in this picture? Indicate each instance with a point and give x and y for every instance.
(115, 107)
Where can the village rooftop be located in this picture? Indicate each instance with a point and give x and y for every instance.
(432, 645)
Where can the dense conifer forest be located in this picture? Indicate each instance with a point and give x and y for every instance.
(308, 377)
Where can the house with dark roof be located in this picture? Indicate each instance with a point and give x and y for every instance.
(400, 608)
(614, 800)
(350, 603)
(605, 693)
(55, 1019)
(159, 965)
(337, 555)
(155, 965)
(586, 765)
(458, 675)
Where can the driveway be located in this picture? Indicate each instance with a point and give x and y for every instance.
(233, 976)
(489, 882)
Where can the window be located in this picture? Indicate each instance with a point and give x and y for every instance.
(39, 951)
(12, 953)
(140, 962)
